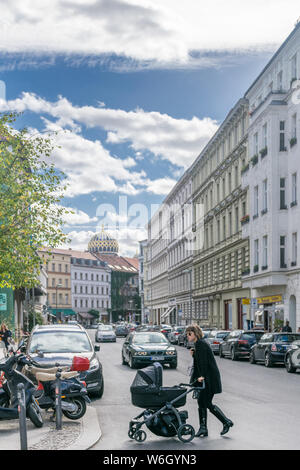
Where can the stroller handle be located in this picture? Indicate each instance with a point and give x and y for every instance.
(192, 385)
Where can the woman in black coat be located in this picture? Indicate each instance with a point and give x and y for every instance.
(205, 368)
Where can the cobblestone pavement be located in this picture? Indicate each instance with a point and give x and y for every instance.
(59, 439)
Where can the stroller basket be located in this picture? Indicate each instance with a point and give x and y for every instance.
(147, 390)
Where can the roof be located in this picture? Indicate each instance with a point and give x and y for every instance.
(119, 263)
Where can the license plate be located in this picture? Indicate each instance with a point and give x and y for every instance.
(155, 358)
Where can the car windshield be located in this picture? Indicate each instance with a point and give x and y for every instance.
(60, 342)
(105, 328)
(150, 339)
(252, 336)
(287, 338)
(222, 334)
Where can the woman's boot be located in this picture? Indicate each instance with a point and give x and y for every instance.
(227, 423)
(203, 423)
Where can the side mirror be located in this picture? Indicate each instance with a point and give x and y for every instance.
(126, 342)
(97, 347)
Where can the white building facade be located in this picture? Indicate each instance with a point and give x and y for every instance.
(272, 180)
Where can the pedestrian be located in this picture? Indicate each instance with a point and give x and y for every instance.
(5, 334)
(205, 368)
(287, 328)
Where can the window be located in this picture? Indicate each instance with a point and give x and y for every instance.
(66, 299)
(230, 223)
(236, 176)
(53, 267)
(212, 235)
(75, 303)
(75, 289)
(265, 251)
(75, 275)
(237, 219)
(218, 231)
(59, 268)
(279, 81)
(256, 254)
(294, 67)
(66, 283)
(66, 268)
(294, 127)
(243, 209)
(265, 136)
(218, 192)
(265, 196)
(255, 206)
(53, 282)
(282, 146)
(53, 298)
(224, 228)
(282, 194)
(255, 144)
(229, 183)
(294, 189)
(294, 249)
(282, 252)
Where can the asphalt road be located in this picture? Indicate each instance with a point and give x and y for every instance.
(264, 405)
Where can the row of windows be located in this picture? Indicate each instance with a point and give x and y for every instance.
(92, 304)
(93, 290)
(282, 198)
(92, 277)
(62, 299)
(60, 268)
(282, 251)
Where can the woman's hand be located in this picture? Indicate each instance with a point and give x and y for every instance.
(200, 379)
(192, 351)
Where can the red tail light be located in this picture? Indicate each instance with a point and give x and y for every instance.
(273, 347)
(176, 333)
(243, 341)
(40, 386)
(216, 342)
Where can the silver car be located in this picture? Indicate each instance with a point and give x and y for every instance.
(173, 335)
(105, 333)
(215, 338)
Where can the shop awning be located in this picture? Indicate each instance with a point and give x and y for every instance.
(64, 311)
(86, 316)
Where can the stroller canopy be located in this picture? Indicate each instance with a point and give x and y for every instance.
(149, 378)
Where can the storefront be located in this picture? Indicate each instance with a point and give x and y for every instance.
(270, 313)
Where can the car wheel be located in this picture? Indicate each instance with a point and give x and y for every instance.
(123, 360)
(132, 364)
(233, 355)
(221, 353)
(173, 365)
(252, 358)
(268, 360)
(289, 366)
(99, 393)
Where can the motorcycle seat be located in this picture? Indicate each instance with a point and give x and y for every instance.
(52, 370)
(43, 377)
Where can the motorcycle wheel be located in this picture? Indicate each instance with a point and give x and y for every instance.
(34, 414)
(80, 411)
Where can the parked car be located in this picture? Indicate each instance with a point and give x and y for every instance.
(144, 348)
(272, 348)
(175, 332)
(166, 330)
(183, 339)
(105, 333)
(292, 357)
(238, 343)
(215, 338)
(121, 330)
(59, 343)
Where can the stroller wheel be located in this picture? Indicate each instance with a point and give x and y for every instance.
(140, 436)
(186, 433)
(131, 433)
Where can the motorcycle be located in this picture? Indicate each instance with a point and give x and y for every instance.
(74, 395)
(9, 393)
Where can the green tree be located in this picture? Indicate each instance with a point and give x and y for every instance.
(30, 216)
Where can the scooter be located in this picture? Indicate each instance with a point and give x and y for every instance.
(74, 395)
(9, 393)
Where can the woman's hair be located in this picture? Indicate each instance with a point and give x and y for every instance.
(196, 330)
(3, 327)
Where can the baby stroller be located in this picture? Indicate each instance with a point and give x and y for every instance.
(161, 415)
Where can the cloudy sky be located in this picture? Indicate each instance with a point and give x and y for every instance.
(134, 90)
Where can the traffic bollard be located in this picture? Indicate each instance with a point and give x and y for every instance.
(22, 416)
(58, 401)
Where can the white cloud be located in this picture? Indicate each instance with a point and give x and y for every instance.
(78, 217)
(176, 140)
(155, 32)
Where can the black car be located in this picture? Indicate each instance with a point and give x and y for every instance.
(238, 343)
(144, 348)
(51, 344)
(272, 348)
(292, 357)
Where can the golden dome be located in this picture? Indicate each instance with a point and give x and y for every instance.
(103, 243)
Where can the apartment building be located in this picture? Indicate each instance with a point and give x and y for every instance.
(272, 178)
(221, 256)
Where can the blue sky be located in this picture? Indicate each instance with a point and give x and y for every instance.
(135, 89)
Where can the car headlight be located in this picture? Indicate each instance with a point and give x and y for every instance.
(94, 364)
(294, 346)
(140, 353)
(170, 353)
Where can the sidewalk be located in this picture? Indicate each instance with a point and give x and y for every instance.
(75, 435)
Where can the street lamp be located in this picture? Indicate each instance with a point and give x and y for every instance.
(58, 285)
(184, 271)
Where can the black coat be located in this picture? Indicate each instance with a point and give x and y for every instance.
(205, 366)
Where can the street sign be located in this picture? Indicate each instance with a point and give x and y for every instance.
(245, 301)
(180, 313)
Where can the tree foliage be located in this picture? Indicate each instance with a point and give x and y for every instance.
(30, 191)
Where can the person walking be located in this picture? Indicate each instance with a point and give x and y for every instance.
(287, 328)
(5, 334)
(205, 369)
